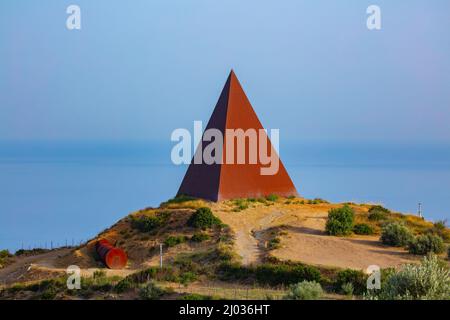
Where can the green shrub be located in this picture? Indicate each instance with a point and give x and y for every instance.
(305, 290)
(5, 254)
(30, 252)
(272, 197)
(340, 221)
(274, 274)
(199, 237)
(363, 228)
(187, 277)
(196, 296)
(241, 204)
(156, 273)
(124, 285)
(48, 294)
(204, 218)
(5, 257)
(180, 199)
(424, 244)
(172, 241)
(151, 291)
(147, 223)
(48, 289)
(377, 213)
(347, 289)
(99, 274)
(357, 278)
(274, 243)
(234, 271)
(379, 209)
(317, 201)
(269, 274)
(448, 253)
(396, 234)
(377, 216)
(428, 281)
(440, 228)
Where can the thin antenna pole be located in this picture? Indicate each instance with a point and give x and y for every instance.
(420, 210)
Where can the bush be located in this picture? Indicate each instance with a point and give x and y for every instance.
(377, 213)
(440, 228)
(428, 281)
(317, 201)
(151, 291)
(5, 257)
(99, 274)
(272, 197)
(5, 254)
(448, 253)
(124, 285)
(340, 221)
(274, 274)
(347, 289)
(270, 274)
(274, 243)
(241, 204)
(234, 271)
(203, 218)
(396, 234)
(172, 241)
(305, 290)
(379, 209)
(31, 252)
(199, 237)
(187, 277)
(180, 199)
(424, 244)
(357, 278)
(362, 228)
(377, 216)
(146, 223)
(196, 296)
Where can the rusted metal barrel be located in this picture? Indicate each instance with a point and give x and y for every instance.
(112, 257)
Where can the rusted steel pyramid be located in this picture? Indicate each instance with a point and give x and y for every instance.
(218, 182)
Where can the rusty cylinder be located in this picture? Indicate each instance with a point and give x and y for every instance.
(112, 257)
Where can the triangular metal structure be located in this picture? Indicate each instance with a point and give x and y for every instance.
(224, 181)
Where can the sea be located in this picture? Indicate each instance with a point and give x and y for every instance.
(57, 193)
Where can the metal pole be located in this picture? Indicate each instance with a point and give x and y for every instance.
(160, 256)
(420, 210)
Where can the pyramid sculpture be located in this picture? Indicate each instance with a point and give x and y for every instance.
(222, 181)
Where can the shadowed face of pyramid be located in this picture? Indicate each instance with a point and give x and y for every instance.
(226, 180)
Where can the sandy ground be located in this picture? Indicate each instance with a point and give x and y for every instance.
(46, 265)
(305, 240)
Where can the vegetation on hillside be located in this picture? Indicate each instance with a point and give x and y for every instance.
(199, 249)
(396, 234)
(203, 218)
(340, 221)
(428, 281)
(305, 290)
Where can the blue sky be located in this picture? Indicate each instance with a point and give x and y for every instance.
(137, 70)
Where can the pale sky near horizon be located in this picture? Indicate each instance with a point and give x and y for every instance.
(138, 70)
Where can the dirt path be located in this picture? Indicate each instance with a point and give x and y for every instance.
(306, 240)
(46, 265)
(247, 231)
(18, 270)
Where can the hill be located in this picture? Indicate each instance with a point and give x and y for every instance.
(258, 248)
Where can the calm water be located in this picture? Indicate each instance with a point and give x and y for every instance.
(58, 192)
